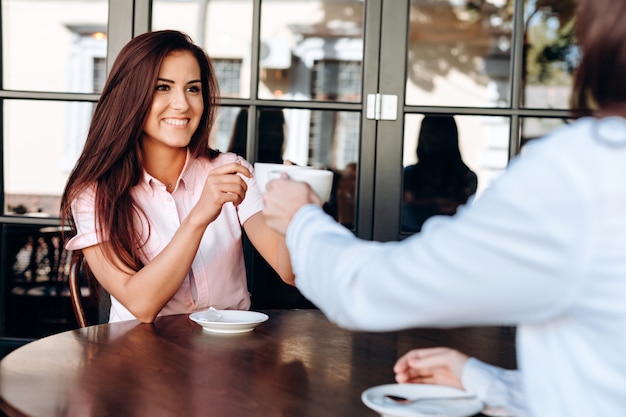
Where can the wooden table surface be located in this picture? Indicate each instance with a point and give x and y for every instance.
(295, 364)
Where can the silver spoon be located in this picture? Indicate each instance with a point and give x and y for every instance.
(396, 399)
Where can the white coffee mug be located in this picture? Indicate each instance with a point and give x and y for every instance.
(320, 180)
(264, 172)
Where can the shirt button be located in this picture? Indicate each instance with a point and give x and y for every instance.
(169, 199)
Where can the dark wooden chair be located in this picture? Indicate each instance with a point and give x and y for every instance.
(75, 291)
(99, 301)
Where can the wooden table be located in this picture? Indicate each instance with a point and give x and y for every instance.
(296, 364)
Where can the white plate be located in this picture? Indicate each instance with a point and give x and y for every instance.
(231, 321)
(374, 398)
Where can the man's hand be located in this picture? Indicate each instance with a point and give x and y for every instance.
(440, 366)
(283, 199)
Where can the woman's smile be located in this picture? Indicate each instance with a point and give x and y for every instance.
(176, 122)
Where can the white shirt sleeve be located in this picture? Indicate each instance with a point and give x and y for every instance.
(498, 388)
(543, 248)
(512, 256)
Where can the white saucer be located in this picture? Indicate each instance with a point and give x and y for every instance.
(374, 398)
(231, 321)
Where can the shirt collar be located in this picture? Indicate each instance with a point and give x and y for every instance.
(149, 181)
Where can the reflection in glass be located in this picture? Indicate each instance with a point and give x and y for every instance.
(330, 140)
(459, 53)
(440, 181)
(320, 138)
(447, 159)
(311, 50)
(39, 156)
(270, 139)
(223, 28)
(535, 127)
(227, 125)
(54, 45)
(551, 54)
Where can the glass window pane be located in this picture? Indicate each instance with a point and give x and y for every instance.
(459, 53)
(331, 140)
(551, 54)
(448, 159)
(323, 139)
(311, 50)
(271, 138)
(229, 133)
(537, 127)
(54, 45)
(39, 156)
(222, 27)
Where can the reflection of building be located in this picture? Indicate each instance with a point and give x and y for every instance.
(65, 53)
(303, 62)
(313, 50)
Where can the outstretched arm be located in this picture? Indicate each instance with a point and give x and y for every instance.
(439, 365)
(271, 245)
(500, 389)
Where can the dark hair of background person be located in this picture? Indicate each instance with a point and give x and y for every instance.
(271, 136)
(600, 33)
(440, 181)
(111, 157)
(267, 289)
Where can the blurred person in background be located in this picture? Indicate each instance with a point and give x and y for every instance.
(440, 181)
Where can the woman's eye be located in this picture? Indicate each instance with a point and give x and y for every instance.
(194, 89)
(162, 87)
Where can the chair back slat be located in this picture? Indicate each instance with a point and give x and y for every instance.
(75, 292)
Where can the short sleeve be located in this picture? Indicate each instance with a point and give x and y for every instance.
(253, 201)
(83, 210)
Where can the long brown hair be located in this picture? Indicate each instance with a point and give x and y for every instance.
(111, 158)
(601, 34)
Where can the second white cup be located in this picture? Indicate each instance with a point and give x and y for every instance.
(321, 181)
(265, 171)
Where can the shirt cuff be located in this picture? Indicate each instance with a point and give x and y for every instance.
(496, 387)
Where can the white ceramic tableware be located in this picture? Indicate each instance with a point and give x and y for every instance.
(264, 172)
(228, 321)
(319, 179)
(375, 399)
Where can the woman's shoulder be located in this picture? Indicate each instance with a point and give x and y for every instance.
(86, 195)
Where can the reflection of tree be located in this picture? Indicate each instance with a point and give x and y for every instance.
(444, 37)
(546, 44)
(458, 35)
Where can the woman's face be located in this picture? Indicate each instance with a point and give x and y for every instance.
(177, 102)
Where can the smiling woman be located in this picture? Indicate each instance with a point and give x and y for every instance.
(174, 116)
(159, 220)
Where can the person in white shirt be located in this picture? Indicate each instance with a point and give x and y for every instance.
(543, 249)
